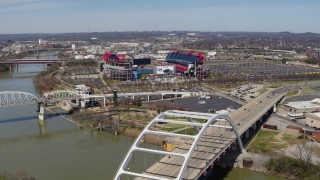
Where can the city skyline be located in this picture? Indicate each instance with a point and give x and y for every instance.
(67, 16)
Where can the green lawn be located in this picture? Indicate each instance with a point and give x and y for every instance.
(292, 93)
(291, 140)
(263, 90)
(187, 132)
(265, 142)
(316, 150)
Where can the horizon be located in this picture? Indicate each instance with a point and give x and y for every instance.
(182, 31)
(70, 16)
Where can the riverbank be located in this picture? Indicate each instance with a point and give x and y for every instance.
(15, 176)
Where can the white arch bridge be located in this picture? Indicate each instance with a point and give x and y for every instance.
(191, 142)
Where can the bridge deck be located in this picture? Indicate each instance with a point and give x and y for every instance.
(212, 145)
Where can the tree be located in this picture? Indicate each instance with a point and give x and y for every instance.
(284, 60)
(304, 153)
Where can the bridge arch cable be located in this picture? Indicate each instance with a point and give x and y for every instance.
(186, 154)
(12, 98)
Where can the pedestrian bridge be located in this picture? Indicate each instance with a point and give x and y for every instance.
(13, 98)
(196, 140)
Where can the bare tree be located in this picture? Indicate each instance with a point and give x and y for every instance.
(304, 153)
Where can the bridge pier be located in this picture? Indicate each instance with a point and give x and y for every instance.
(77, 102)
(274, 108)
(255, 126)
(247, 133)
(41, 112)
(82, 105)
(148, 98)
(234, 147)
(42, 129)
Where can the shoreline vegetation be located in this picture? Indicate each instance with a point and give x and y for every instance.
(44, 81)
(20, 175)
(293, 168)
(270, 143)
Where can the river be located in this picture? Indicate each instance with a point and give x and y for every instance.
(60, 150)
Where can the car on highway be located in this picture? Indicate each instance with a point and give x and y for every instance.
(201, 102)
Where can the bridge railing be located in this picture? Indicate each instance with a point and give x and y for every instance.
(13, 98)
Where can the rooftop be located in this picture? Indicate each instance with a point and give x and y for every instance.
(302, 105)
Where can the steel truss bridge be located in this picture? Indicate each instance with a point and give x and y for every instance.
(192, 153)
(13, 98)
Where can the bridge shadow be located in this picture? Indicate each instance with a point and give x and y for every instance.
(57, 114)
(18, 119)
(223, 167)
(29, 118)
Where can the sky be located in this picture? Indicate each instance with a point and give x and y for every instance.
(66, 16)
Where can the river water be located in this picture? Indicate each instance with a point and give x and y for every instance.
(61, 151)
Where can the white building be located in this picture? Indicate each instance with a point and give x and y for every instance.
(303, 106)
(83, 89)
(212, 53)
(164, 52)
(162, 70)
(90, 56)
(79, 57)
(73, 46)
(313, 120)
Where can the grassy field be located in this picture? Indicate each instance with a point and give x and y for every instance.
(187, 132)
(292, 93)
(263, 90)
(266, 141)
(316, 150)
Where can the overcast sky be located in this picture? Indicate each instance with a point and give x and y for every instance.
(58, 16)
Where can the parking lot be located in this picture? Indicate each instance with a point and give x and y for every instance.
(245, 92)
(256, 68)
(199, 104)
